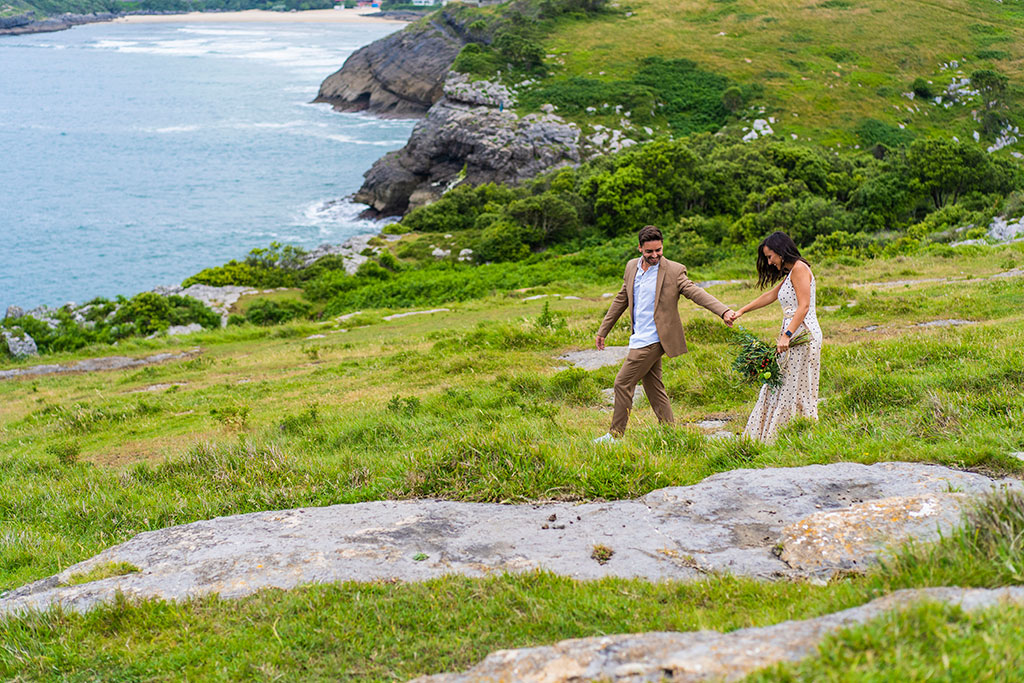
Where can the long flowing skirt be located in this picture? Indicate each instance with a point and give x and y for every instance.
(797, 397)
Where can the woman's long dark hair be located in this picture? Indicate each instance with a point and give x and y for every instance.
(781, 244)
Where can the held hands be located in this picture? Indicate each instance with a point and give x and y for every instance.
(599, 342)
(730, 316)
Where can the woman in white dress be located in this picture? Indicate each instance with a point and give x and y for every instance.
(780, 266)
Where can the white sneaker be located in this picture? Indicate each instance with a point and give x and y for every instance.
(607, 438)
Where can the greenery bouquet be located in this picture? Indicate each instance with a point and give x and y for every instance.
(759, 362)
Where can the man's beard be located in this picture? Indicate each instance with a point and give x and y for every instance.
(652, 260)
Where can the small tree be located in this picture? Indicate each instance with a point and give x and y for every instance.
(992, 86)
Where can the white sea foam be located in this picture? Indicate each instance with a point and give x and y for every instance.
(222, 31)
(174, 129)
(349, 140)
(339, 219)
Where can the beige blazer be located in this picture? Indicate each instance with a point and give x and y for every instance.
(672, 282)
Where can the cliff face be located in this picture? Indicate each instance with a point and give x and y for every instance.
(400, 75)
(27, 23)
(467, 136)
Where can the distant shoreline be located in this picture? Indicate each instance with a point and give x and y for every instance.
(254, 16)
(27, 24)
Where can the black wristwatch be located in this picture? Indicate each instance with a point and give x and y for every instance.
(788, 333)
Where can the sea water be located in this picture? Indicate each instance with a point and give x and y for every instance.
(135, 155)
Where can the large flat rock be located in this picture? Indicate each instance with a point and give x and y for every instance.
(730, 522)
(701, 655)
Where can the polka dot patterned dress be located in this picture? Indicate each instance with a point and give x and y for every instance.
(798, 395)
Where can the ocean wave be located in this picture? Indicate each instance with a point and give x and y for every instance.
(349, 140)
(340, 219)
(223, 32)
(174, 129)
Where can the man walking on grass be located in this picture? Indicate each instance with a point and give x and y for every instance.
(650, 290)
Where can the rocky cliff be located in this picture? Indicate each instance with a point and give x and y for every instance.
(400, 75)
(468, 136)
(27, 23)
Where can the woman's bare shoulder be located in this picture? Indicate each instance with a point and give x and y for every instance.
(802, 269)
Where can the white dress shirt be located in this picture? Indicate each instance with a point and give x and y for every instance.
(645, 291)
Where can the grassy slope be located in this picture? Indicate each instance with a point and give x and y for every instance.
(830, 63)
(467, 405)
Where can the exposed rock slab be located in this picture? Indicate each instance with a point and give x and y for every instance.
(845, 538)
(702, 655)
(95, 364)
(592, 359)
(729, 522)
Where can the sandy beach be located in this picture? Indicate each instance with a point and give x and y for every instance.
(253, 16)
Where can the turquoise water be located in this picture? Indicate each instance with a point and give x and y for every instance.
(134, 155)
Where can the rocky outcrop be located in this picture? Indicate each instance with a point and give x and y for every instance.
(703, 655)
(461, 140)
(27, 23)
(731, 522)
(217, 299)
(351, 251)
(400, 75)
(19, 345)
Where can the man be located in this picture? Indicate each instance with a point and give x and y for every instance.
(650, 290)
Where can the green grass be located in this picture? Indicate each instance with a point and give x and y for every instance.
(103, 571)
(930, 642)
(469, 405)
(825, 66)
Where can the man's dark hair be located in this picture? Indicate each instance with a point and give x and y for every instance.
(784, 246)
(649, 233)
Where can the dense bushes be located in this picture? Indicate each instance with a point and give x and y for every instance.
(276, 266)
(102, 321)
(275, 311)
(730, 192)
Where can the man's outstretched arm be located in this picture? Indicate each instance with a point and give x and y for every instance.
(700, 297)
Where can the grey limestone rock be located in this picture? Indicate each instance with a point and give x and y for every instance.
(592, 359)
(400, 75)
(730, 522)
(460, 142)
(351, 250)
(20, 345)
(28, 23)
(217, 299)
(45, 314)
(14, 312)
(702, 655)
(178, 330)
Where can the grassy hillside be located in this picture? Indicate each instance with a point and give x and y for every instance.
(346, 404)
(470, 405)
(824, 68)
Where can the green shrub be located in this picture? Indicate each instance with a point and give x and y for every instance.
(502, 241)
(873, 132)
(922, 88)
(476, 60)
(275, 311)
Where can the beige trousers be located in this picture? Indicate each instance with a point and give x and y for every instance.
(641, 365)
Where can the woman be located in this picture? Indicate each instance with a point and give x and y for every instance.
(779, 261)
